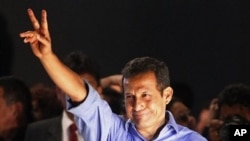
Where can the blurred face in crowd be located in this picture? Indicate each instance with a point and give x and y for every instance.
(226, 111)
(8, 115)
(182, 115)
(145, 103)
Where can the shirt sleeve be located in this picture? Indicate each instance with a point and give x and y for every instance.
(93, 116)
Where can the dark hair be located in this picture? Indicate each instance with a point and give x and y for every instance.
(148, 64)
(46, 99)
(15, 90)
(82, 63)
(235, 94)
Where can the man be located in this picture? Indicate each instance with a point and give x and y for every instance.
(15, 108)
(146, 88)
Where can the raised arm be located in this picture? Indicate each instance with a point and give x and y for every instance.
(112, 81)
(40, 42)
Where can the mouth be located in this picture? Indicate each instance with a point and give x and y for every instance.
(138, 115)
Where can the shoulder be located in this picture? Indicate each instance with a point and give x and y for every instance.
(45, 123)
(190, 135)
(44, 129)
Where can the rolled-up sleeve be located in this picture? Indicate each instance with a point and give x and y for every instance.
(93, 112)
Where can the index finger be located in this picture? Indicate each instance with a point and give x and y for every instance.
(33, 19)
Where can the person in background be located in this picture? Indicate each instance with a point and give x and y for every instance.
(146, 87)
(230, 107)
(182, 113)
(204, 117)
(15, 108)
(115, 100)
(44, 102)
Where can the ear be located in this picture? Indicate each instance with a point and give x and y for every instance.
(168, 94)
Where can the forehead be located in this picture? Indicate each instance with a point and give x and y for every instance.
(147, 79)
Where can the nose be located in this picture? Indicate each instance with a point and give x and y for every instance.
(138, 104)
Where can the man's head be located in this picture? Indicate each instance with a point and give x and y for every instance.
(234, 100)
(44, 102)
(146, 86)
(15, 104)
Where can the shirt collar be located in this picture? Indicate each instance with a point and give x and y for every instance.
(66, 121)
(171, 121)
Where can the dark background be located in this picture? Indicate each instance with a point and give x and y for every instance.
(205, 43)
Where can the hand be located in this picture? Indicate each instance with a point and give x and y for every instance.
(213, 108)
(213, 131)
(39, 39)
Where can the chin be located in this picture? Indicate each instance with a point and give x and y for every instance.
(142, 124)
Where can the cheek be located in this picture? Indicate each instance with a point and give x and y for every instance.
(128, 105)
(156, 103)
(5, 114)
(128, 110)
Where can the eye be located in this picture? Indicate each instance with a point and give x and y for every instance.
(129, 96)
(146, 95)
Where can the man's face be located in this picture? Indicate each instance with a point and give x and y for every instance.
(7, 114)
(226, 111)
(145, 104)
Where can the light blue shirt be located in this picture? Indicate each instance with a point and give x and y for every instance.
(96, 122)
